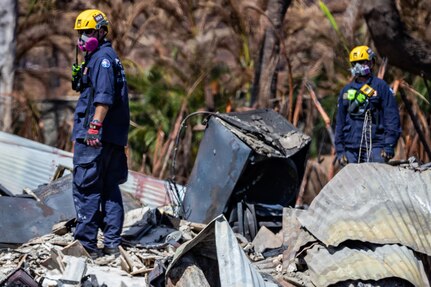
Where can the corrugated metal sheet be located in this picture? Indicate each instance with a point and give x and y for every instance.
(387, 261)
(375, 203)
(28, 164)
(234, 266)
(151, 191)
(218, 239)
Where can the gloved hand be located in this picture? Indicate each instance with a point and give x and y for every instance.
(387, 153)
(342, 159)
(94, 134)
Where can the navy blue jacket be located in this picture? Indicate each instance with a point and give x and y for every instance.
(104, 76)
(385, 118)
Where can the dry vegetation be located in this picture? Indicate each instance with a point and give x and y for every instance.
(184, 56)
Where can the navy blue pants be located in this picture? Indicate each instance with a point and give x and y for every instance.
(97, 173)
(352, 155)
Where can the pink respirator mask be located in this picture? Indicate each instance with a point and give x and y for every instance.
(87, 44)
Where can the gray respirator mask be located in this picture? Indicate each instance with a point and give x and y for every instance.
(360, 70)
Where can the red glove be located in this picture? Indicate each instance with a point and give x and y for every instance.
(94, 134)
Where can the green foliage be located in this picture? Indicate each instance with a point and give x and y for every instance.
(153, 109)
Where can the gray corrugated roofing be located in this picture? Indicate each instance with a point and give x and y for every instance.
(27, 164)
(380, 262)
(375, 203)
(218, 240)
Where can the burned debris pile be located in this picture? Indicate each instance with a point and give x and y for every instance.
(160, 250)
(367, 227)
(236, 224)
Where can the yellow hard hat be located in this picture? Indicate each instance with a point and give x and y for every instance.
(361, 53)
(91, 19)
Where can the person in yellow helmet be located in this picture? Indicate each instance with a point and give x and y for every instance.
(100, 130)
(92, 26)
(368, 122)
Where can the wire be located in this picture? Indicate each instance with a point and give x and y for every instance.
(366, 137)
(173, 192)
(177, 139)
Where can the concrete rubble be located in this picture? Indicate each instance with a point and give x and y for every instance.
(58, 260)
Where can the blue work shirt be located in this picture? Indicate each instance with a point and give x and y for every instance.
(385, 128)
(104, 76)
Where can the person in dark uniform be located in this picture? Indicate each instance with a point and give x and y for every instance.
(101, 124)
(368, 122)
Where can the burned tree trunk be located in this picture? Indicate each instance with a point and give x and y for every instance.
(7, 57)
(392, 39)
(265, 78)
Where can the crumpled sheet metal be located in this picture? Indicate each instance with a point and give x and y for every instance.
(28, 164)
(221, 159)
(381, 262)
(375, 203)
(234, 160)
(267, 132)
(295, 237)
(234, 266)
(28, 217)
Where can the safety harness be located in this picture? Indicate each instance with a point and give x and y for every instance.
(366, 137)
(360, 108)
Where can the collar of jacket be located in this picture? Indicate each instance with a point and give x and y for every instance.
(358, 85)
(105, 43)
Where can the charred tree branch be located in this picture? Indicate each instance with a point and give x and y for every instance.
(393, 41)
(265, 79)
(415, 122)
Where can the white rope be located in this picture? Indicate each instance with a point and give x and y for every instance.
(366, 129)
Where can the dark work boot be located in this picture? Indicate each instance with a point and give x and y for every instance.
(94, 254)
(111, 250)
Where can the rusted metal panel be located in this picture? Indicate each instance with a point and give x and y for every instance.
(151, 191)
(378, 262)
(375, 203)
(28, 164)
